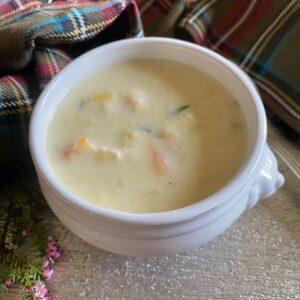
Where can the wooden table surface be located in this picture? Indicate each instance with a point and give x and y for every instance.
(257, 258)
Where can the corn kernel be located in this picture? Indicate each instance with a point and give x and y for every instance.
(131, 135)
(103, 96)
(84, 142)
(106, 154)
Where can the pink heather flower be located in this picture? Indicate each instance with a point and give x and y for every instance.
(46, 263)
(52, 243)
(39, 291)
(53, 250)
(9, 282)
(48, 273)
(57, 253)
(25, 232)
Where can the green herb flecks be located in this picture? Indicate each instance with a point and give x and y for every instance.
(82, 104)
(179, 109)
(151, 131)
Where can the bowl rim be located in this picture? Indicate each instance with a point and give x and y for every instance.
(165, 217)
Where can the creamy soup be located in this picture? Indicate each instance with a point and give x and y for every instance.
(147, 136)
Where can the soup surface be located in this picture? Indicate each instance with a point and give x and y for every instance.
(147, 136)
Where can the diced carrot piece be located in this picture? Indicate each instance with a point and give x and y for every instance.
(77, 146)
(71, 151)
(83, 144)
(134, 99)
(129, 104)
(159, 161)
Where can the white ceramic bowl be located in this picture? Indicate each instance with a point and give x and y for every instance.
(171, 231)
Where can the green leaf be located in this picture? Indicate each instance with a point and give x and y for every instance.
(39, 236)
(3, 287)
(21, 257)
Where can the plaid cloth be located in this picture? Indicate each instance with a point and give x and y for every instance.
(39, 38)
(262, 37)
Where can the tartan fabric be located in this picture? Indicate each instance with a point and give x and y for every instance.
(48, 63)
(262, 37)
(39, 38)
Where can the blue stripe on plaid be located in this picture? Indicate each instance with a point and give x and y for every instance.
(266, 67)
(58, 22)
(59, 27)
(51, 21)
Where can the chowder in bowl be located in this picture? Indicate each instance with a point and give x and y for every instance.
(147, 135)
(151, 146)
